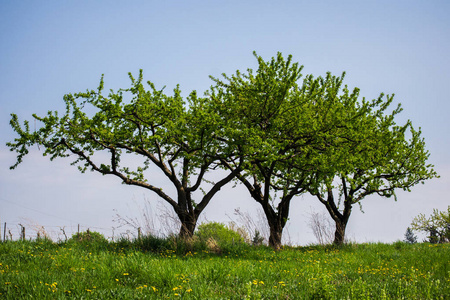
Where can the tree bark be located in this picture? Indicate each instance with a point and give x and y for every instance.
(339, 234)
(341, 221)
(339, 218)
(276, 233)
(188, 224)
(277, 220)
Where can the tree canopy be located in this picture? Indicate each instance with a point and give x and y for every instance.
(378, 157)
(173, 134)
(279, 133)
(286, 126)
(316, 136)
(437, 226)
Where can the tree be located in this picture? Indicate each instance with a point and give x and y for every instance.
(377, 158)
(317, 137)
(175, 135)
(410, 237)
(437, 226)
(279, 128)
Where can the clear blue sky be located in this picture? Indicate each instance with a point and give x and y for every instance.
(50, 48)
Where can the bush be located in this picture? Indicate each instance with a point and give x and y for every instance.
(89, 238)
(122, 243)
(153, 243)
(217, 235)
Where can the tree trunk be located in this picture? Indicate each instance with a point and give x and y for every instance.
(277, 220)
(339, 234)
(188, 224)
(340, 219)
(276, 232)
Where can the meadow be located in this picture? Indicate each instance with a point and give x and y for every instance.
(158, 269)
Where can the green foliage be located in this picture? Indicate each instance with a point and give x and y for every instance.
(375, 156)
(315, 135)
(280, 126)
(437, 226)
(279, 134)
(88, 238)
(219, 233)
(152, 243)
(174, 134)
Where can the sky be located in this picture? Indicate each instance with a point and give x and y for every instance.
(52, 48)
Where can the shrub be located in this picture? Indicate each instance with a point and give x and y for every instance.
(88, 238)
(217, 235)
(153, 243)
(122, 243)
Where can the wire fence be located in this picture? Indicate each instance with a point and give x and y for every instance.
(159, 221)
(13, 232)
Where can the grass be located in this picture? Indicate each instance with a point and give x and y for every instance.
(127, 270)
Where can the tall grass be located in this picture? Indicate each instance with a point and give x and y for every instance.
(157, 268)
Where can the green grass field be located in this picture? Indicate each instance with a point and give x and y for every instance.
(124, 270)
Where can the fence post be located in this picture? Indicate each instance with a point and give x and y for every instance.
(4, 233)
(139, 233)
(22, 232)
(78, 229)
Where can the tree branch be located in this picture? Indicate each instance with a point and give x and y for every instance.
(124, 178)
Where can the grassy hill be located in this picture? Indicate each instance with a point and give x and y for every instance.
(159, 269)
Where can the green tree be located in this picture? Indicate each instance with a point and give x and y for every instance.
(279, 128)
(377, 158)
(437, 226)
(173, 134)
(316, 136)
